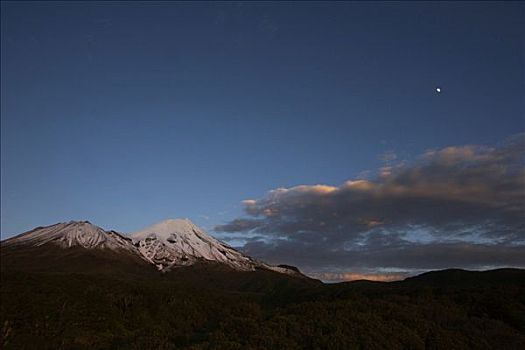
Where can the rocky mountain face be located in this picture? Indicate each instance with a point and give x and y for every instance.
(69, 234)
(166, 245)
(179, 242)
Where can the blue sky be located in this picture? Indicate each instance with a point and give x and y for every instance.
(129, 113)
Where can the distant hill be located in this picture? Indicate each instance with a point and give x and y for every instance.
(459, 277)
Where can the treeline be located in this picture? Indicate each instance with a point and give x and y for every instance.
(74, 311)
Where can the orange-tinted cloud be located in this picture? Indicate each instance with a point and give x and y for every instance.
(467, 199)
(354, 276)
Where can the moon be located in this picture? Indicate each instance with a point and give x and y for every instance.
(438, 90)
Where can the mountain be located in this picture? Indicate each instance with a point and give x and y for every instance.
(179, 242)
(81, 246)
(70, 234)
(75, 246)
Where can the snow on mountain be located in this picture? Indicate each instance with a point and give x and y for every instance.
(166, 245)
(69, 234)
(180, 242)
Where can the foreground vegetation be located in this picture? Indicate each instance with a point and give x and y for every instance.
(229, 311)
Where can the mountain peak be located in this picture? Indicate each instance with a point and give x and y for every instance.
(69, 234)
(176, 242)
(80, 222)
(179, 242)
(167, 228)
(174, 224)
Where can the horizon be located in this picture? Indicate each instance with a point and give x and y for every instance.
(327, 278)
(347, 139)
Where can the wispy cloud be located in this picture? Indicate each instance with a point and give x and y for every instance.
(388, 156)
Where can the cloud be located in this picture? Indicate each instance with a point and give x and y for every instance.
(352, 276)
(385, 255)
(388, 156)
(468, 202)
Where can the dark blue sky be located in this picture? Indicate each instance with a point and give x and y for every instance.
(129, 113)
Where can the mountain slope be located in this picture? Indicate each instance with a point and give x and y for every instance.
(180, 242)
(75, 246)
(172, 243)
(73, 233)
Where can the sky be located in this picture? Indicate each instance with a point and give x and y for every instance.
(307, 133)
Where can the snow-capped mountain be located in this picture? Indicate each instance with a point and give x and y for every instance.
(70, 234)
(179, 242)
(166, 245)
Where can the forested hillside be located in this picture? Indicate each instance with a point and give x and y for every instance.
(191, 309)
